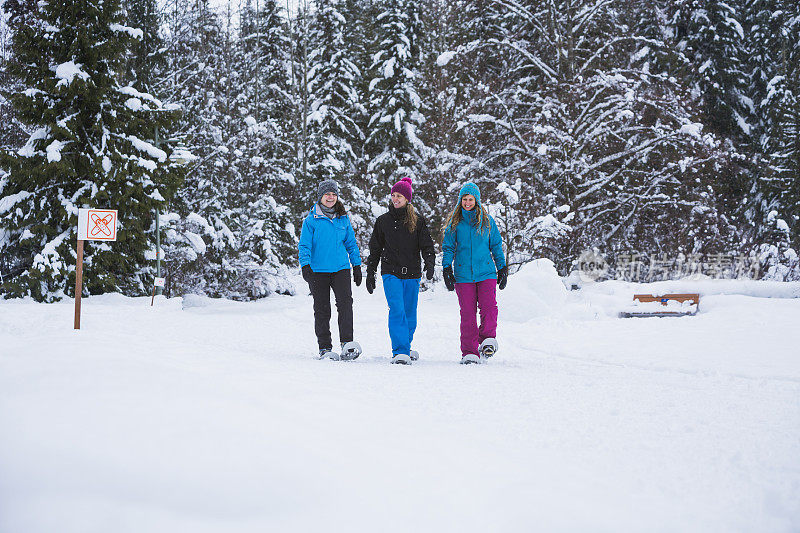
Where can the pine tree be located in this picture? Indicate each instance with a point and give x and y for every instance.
(273, 46)
(261, 171)
(438, 105)
(334, 99)
(200, 228)
(300, 47)
(358, 41)
(145, 59)
(394, 102)
(710, 37)
(229, 233)
(89, 148)
(12, 134)
(360, 20)
(778, 184)
(778, 259)
(581, 144)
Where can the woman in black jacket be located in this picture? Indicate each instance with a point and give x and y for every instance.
(398, 239)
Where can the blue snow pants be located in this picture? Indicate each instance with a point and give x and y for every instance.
(402, 296)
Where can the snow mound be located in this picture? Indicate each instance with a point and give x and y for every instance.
(534, 291)
(196, 300)
(704, 287)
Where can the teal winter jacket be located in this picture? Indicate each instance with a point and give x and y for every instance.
(478, 256)
(328, 244)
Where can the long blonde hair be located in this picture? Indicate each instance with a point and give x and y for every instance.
(456, 215)
(411, 218)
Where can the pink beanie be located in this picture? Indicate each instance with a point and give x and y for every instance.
(404, 187)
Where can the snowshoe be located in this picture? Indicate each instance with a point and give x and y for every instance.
(327, 353)
(401, 359)
(488, 348)
(350, 350)
(414, 355)
(471, 358)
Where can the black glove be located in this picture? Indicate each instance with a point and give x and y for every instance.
(429, 270)
(502, 278)
(357, 275)
(449, 278)
(307, 273)
(370, 281)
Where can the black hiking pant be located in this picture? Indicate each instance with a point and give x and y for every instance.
(321, 285)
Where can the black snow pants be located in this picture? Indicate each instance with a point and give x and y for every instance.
(321, 285)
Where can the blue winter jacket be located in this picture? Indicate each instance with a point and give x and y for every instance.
(478, 256)
(328, 244)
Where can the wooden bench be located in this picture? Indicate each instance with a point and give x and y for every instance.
(693, 300)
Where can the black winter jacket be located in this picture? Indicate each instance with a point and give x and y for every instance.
(397, 249)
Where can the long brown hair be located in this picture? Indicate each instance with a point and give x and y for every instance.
(411, 218)
(456, 215)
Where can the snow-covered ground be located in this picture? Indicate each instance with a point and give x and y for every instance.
(202, 415)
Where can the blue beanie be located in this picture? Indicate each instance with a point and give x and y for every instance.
(470, 188)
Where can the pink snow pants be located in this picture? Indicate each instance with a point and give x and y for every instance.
(471, 297)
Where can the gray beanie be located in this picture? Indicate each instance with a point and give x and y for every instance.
(326, 187)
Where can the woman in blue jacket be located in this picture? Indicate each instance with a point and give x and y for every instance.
(472, 240)
(327, 249)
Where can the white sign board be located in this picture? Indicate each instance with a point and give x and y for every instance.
(160, 282)
(97, 224)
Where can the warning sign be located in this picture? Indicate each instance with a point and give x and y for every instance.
(97, 224)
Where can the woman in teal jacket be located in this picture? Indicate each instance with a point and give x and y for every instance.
(327, 249)
(472, 240)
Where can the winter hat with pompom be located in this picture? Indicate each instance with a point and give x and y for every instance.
(470, 188)
(327, 186)
(404, 187)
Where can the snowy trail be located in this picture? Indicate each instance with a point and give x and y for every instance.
(218, 418)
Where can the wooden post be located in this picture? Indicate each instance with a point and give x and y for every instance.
(78, 284)
(152, 298)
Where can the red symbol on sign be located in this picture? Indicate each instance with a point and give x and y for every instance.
(101, 225)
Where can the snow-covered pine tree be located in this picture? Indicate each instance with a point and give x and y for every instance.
(461, 70)
(333, 97)
(89, 148)
(358, 42)
(711, 194)
(778, 259)
(762, 30)
(394, 104)
(360, 18)
(262, 163)
(197, 231)
(359, 30)
(273, 47)
(335, 111)
(580, 144)
(145, 58)
(12, 133)
(229, 232)
(776, 31)
(443, 100)
(300, 47)
(710, 37)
